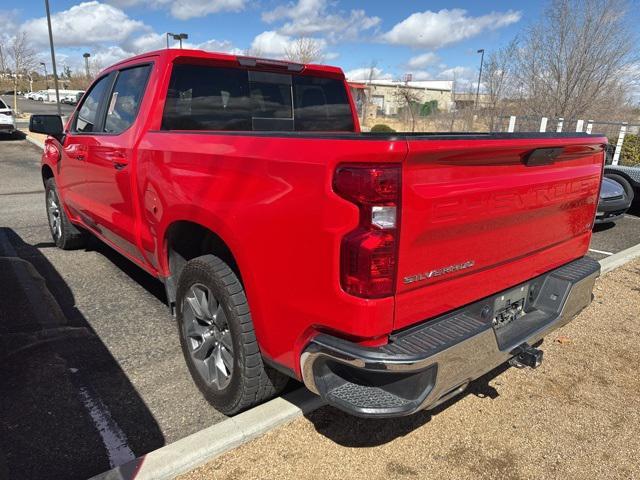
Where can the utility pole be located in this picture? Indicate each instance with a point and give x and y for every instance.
(46, 77)
(86, 64)
(479, 75)
(53, 58)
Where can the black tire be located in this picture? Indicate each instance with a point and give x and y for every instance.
(65, 235)
(249, 381)
(623, 182)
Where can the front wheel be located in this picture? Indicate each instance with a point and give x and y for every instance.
(218, 340)
(65, 235)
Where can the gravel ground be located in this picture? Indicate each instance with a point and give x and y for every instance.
(577, 416)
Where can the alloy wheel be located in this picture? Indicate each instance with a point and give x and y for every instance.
(208, 337)
(55, 214)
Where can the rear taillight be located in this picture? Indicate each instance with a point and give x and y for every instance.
(368, 256)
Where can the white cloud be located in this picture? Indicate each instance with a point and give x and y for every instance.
(270, 44)
(421, 75)
(186, 9)
(274, 44)
(157, 41)
(87, 23)
(310, 17)
(423, 60)
(223, 46)
(459, 73)
(365, 73)
(434, 30)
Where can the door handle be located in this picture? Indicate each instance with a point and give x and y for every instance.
(119, 160)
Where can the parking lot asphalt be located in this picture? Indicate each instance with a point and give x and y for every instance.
(113, 382)
(73, 406)
(32, 106)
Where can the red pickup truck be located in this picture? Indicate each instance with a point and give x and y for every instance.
(385, 271)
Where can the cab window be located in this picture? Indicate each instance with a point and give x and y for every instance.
(126, 98)
(87, 119)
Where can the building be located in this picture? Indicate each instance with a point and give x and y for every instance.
(387, 98)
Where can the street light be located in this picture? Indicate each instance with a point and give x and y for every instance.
(177, 36)
(46, 78)
(479, 75)
(86, 63)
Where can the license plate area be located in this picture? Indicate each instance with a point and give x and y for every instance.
(510, 306)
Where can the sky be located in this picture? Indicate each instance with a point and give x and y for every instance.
(429, 39)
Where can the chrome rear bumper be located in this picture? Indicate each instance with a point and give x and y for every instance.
(427, 364)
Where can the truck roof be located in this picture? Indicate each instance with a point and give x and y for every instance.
(169, 55)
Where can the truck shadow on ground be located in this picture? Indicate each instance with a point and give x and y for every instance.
(151, 284)
(18, 135)
(349, 431)
(67, 409)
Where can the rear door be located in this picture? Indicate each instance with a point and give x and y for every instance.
(481, 215)
(108, 186)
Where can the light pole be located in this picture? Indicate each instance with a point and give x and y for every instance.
(53, 57)
(46, 78)
(86, 63)
(479, 75)
(177, 36)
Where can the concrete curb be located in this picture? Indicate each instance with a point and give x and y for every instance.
(205, 445)
(35, 142)
(618, 259)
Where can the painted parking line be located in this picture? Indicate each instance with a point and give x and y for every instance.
(602, 252)
(113, 438)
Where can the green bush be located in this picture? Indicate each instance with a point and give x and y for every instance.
(630, 154)
(381, 127)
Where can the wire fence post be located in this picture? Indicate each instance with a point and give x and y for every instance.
(616, 155)
(589, 126)
(512, 124)
(560, 123)
(543, 124)
(579, 126)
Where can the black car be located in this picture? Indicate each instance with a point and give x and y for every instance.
(614, 202)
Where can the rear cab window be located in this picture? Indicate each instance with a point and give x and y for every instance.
(3, 106)
(235, 99)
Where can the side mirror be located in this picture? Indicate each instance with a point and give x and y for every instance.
(47, 124)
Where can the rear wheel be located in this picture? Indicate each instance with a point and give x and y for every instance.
(218, 340)
(65, 235)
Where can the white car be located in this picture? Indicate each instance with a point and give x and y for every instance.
(7, 119)
(29, 95)
(40, 96)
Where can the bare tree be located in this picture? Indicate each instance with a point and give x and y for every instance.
(498, 82)
(408, 99)
(304, 50)
(572, 62)
(23, 59)
(3, 60)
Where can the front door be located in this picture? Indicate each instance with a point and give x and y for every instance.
(75, 149)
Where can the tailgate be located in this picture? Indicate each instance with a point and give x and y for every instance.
(482, 214)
